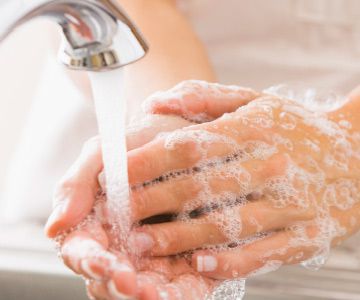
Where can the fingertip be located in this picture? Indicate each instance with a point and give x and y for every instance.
(97, 290)
(116, 293)
(55, 222)
(77, 247)
(76, 205)
(125, 281)
(148, 292)
(90, 270)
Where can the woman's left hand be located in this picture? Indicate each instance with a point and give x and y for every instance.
(272, 183)
(87, 248)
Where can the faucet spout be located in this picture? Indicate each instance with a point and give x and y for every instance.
(97, 34)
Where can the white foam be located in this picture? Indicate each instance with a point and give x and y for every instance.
(229, 290)
(196, 90)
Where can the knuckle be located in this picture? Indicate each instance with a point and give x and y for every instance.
(312, 231)
(140, 203)
(276, 166)
(69, 190)
(167, 241)
(187, 152)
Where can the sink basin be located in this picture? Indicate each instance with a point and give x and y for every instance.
(34, 272)
(31, 270)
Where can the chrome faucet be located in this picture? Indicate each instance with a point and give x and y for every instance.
(97, 34)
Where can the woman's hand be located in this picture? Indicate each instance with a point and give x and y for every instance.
(86, 250)
(270, 184)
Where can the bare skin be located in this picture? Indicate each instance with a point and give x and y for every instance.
(74, 199)
(239, 261)
(165, 65)
(316, 157)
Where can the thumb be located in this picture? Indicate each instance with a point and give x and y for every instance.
(75, 195)
(199, 101)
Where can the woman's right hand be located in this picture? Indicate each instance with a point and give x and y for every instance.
(85, 250)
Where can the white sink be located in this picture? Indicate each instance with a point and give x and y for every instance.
(34, 272)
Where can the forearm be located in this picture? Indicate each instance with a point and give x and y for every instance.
(175, 54)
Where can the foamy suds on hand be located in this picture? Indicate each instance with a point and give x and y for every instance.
(229, 290)
(303, 184)
(314, 99)
(198, 91)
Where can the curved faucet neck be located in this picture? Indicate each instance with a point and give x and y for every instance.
(97, 33)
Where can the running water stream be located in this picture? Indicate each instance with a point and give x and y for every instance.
(110, 108)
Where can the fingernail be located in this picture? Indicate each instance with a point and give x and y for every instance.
(87, 269)
(115, 293)
(55, 216)
(141, 241)
(206, 263)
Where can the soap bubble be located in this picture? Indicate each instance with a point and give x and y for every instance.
(229, 290)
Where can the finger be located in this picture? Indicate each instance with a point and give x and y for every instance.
(85, 244)
(258, 257)
(88, 257)
(117, 270)
(148, 292)
(172, 196)
(200, 286)
(170, 283)
(187, 286)
(140, 132)
(75, 195)
(148, 281)
(123, 282)
(98, 290)
(170, 266)
(199, 100)
(197, 145)
(226, 226)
